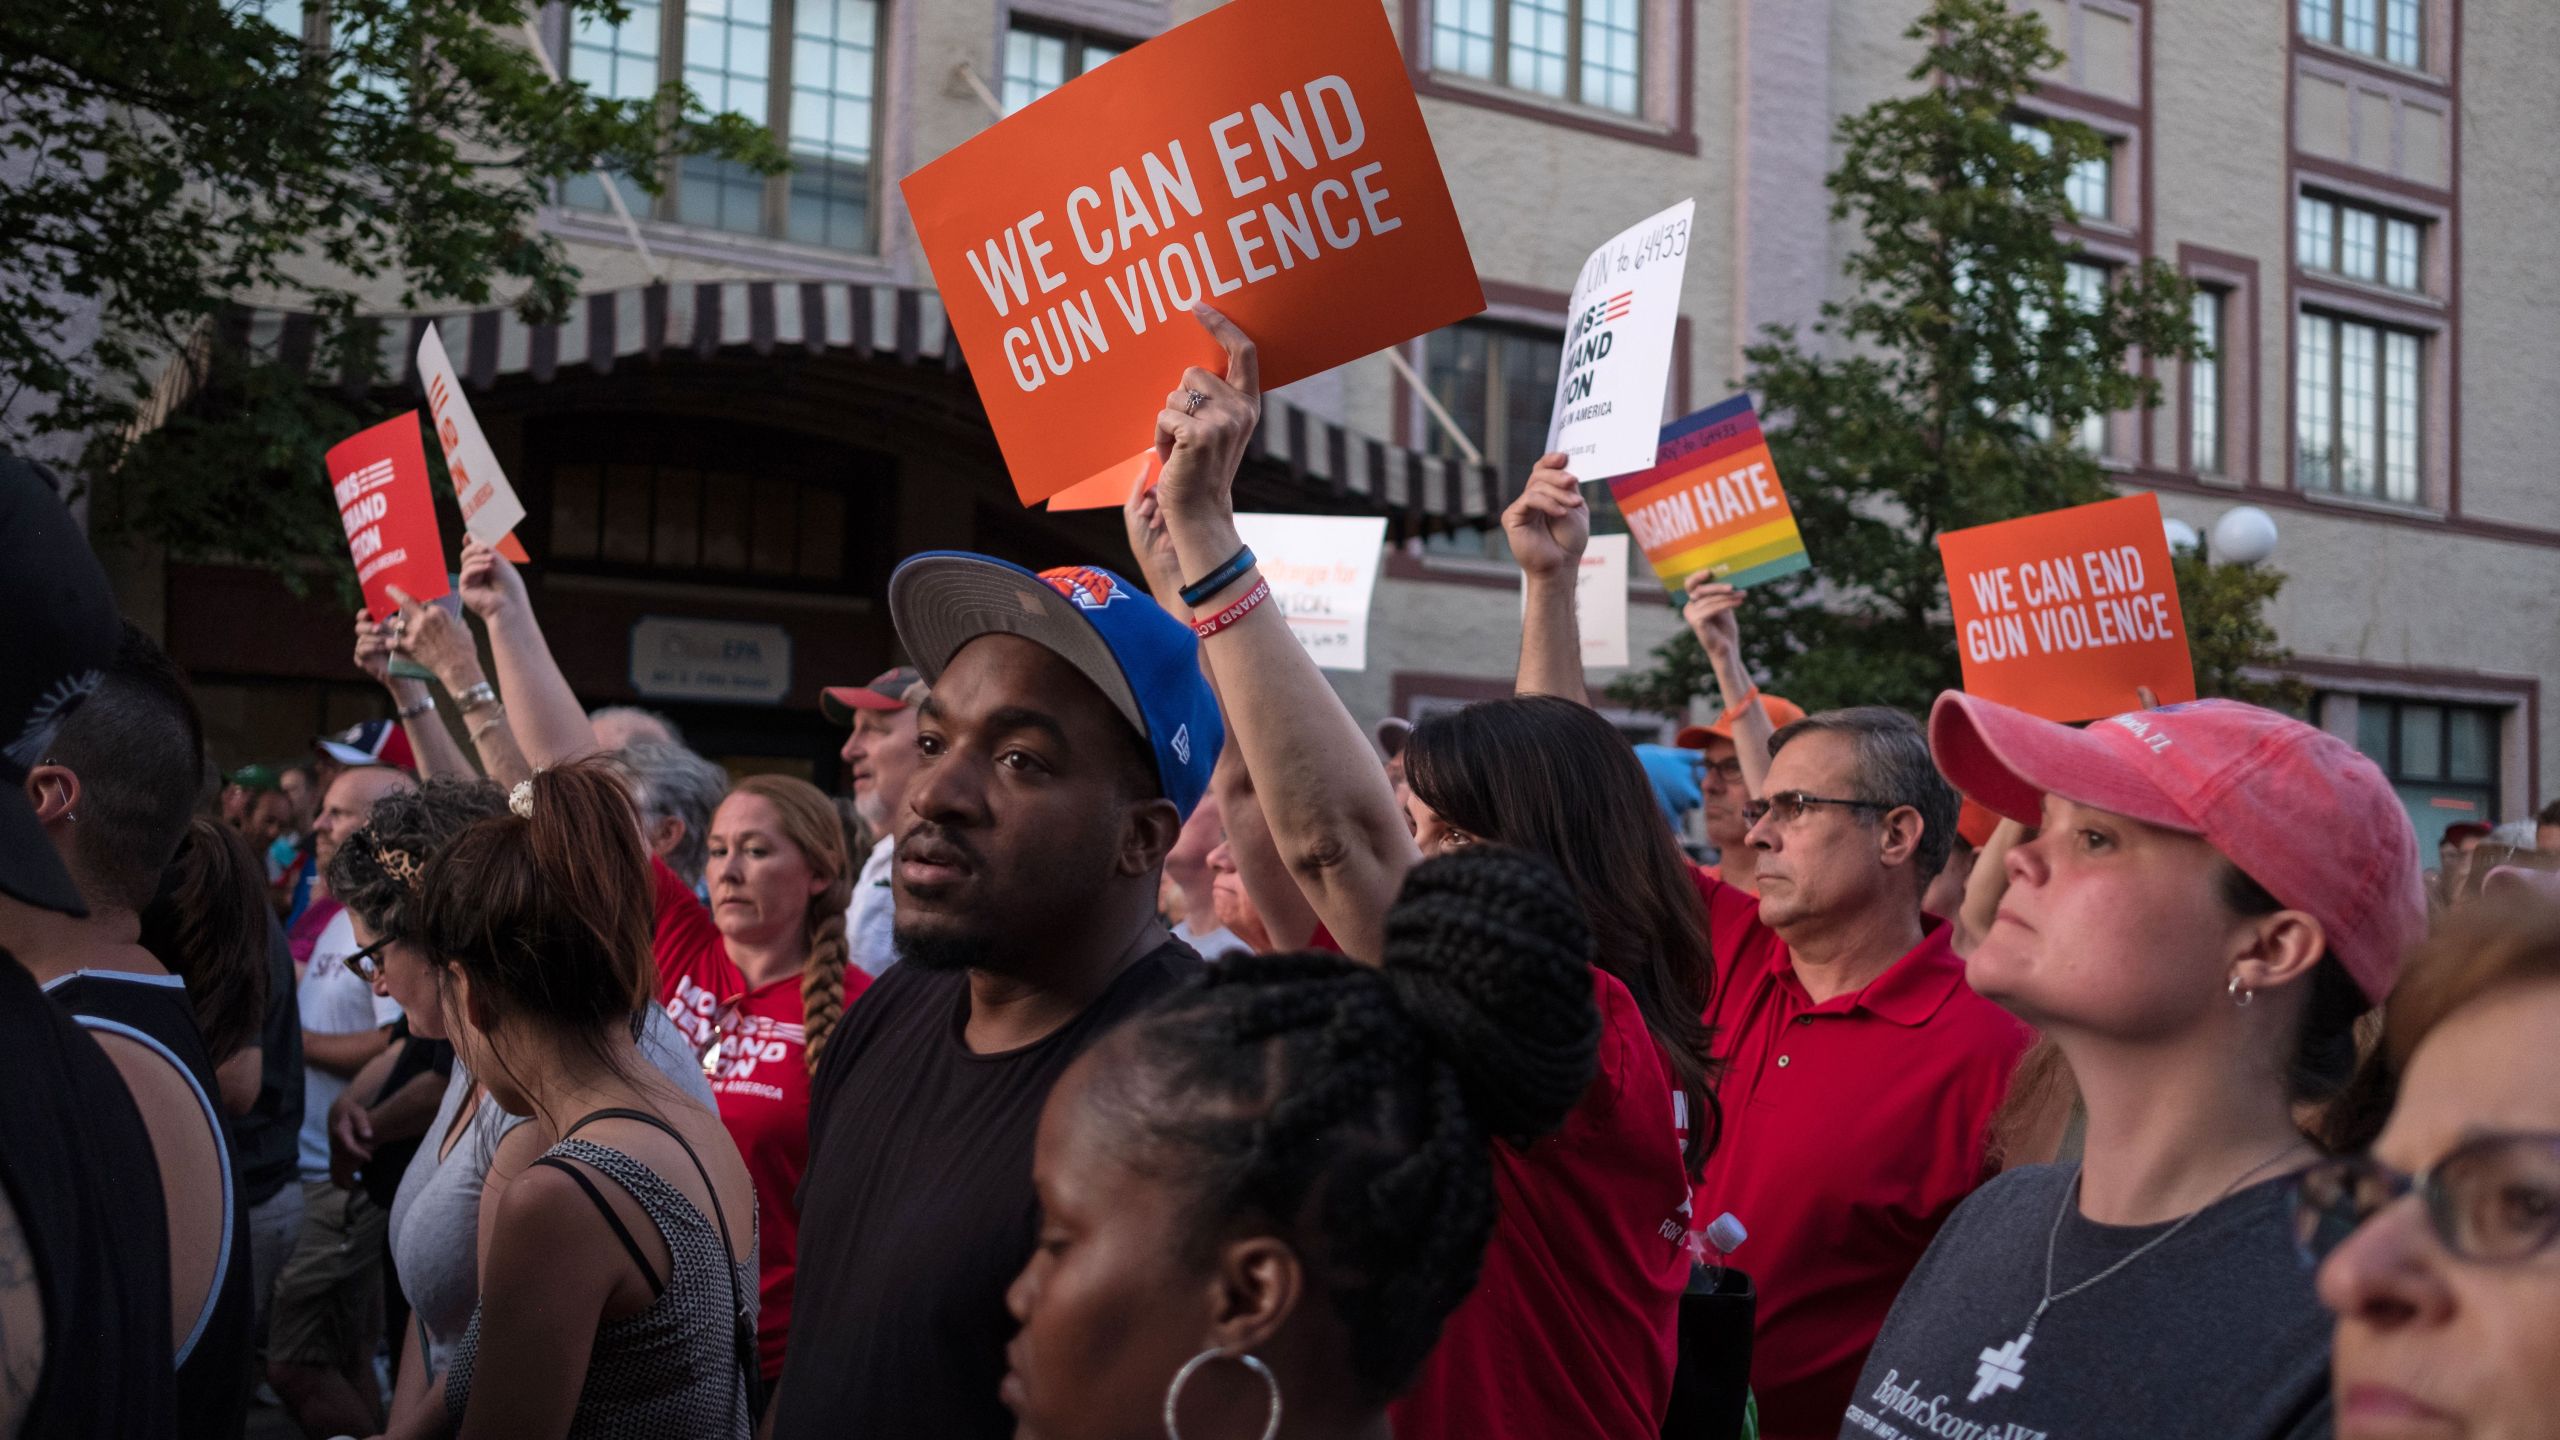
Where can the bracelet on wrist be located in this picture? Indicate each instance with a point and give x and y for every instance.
(415, 709)
(476, 697)
(1251, 602)
(497, 717)
(1198, 592)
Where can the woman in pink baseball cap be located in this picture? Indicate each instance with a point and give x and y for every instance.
(2213, 896)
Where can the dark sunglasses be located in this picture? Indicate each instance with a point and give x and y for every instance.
(1791, 806)
(2493, 1198)
(367, 962)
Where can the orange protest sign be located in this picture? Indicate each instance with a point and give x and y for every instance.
(1110, 489)
(379, 478)
(1267, 158)
(2063, 614)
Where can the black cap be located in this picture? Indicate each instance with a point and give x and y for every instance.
(62, 636)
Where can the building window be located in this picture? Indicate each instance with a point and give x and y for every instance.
(1038, 60)
(2204, 386)
(2357, 242)
(820, 103)
(2091, 185)
(2384, 29)
(2441, 759)
(1585, 52)
(2356, 407)
(1499, 383)
(2084, 288)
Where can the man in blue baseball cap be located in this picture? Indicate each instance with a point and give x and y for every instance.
(1067, 737)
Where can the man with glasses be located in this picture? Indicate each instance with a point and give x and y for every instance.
(1861, 1072)
(326, 1318)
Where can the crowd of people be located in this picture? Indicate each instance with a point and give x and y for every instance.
(1143, 1046)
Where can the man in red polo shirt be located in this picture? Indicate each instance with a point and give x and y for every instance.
(1861, 1072)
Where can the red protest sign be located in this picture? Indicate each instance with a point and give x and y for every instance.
(2064, 614)
(1268, 158)
(380, 479)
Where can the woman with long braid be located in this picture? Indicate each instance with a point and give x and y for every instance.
(1262, 1197)
(757, 983)
(1575, 1326)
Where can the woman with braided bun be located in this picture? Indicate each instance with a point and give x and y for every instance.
(1262, 1197)
(451, 1189)
(755, 981)
(1573, 1329)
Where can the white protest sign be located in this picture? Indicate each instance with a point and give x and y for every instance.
(1600, 598)
(490, 509)
(1600, 602)
(1617, 349)
(1323, 570)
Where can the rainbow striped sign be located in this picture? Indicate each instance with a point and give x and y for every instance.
(1712, 501)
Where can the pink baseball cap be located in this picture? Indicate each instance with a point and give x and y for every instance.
(2299, 810)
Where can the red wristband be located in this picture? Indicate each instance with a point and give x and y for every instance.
(1252, 601)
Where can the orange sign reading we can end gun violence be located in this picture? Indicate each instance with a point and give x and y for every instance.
(2065, 614)
(1267, 158)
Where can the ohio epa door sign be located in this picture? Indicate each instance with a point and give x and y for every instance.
(730, 660)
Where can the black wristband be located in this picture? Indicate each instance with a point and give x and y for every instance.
(1219, 579)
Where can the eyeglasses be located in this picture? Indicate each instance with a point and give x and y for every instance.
(1790, 806)
(1729, 769)
(2492, 1198)
(367, 962)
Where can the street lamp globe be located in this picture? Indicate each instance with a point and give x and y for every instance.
(2245, 534)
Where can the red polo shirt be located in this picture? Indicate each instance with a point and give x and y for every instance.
(1851, 1129)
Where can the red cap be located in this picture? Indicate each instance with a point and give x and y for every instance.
(2296, 808)
(1782, 713)
(2461, 830)
(887, 691)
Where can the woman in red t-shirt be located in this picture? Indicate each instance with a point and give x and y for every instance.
(756, 983)
(1574, 1328)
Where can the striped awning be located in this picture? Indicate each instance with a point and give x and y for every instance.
(898, 324)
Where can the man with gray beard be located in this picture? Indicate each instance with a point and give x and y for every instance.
(880, 754)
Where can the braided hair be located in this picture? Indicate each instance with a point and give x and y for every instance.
(809, 822)
(1352, 1107)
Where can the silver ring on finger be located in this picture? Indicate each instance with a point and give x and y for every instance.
(1192, 400)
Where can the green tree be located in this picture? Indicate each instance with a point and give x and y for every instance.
(161, 158)
(1948, 392)
(2235, 650)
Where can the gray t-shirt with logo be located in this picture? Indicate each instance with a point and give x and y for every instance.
(2216, 1333)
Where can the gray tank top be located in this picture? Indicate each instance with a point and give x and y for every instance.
(435, 1218)
(673, 1371)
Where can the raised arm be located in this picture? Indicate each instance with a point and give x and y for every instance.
(1549, 527)
(1333, 820)
(438, 640)
(1286, 916)
(545, 719)
(415, 704)
(1714, 616)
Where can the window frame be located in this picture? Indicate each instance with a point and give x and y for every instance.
(2340, 210)
(2335, 359)
(774, 204)
(2332, 31)
(1574, 21)
(2208, 391)
(2234, 279)
(1665, 115)
(1496, 404)
(1078, 39)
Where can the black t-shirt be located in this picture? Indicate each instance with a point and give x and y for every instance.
(78, 1170)
(917, 1210)
(266, 1142)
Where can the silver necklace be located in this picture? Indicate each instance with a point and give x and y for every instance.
(2004, 1367)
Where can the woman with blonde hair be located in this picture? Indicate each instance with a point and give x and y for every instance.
(757, 982)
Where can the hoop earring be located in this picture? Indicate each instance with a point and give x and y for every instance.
(1182, 1377)
(2240, 994)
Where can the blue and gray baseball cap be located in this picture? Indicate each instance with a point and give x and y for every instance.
(1145, 662)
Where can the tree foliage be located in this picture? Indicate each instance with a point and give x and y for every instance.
(1948, 390)
(161, 158)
